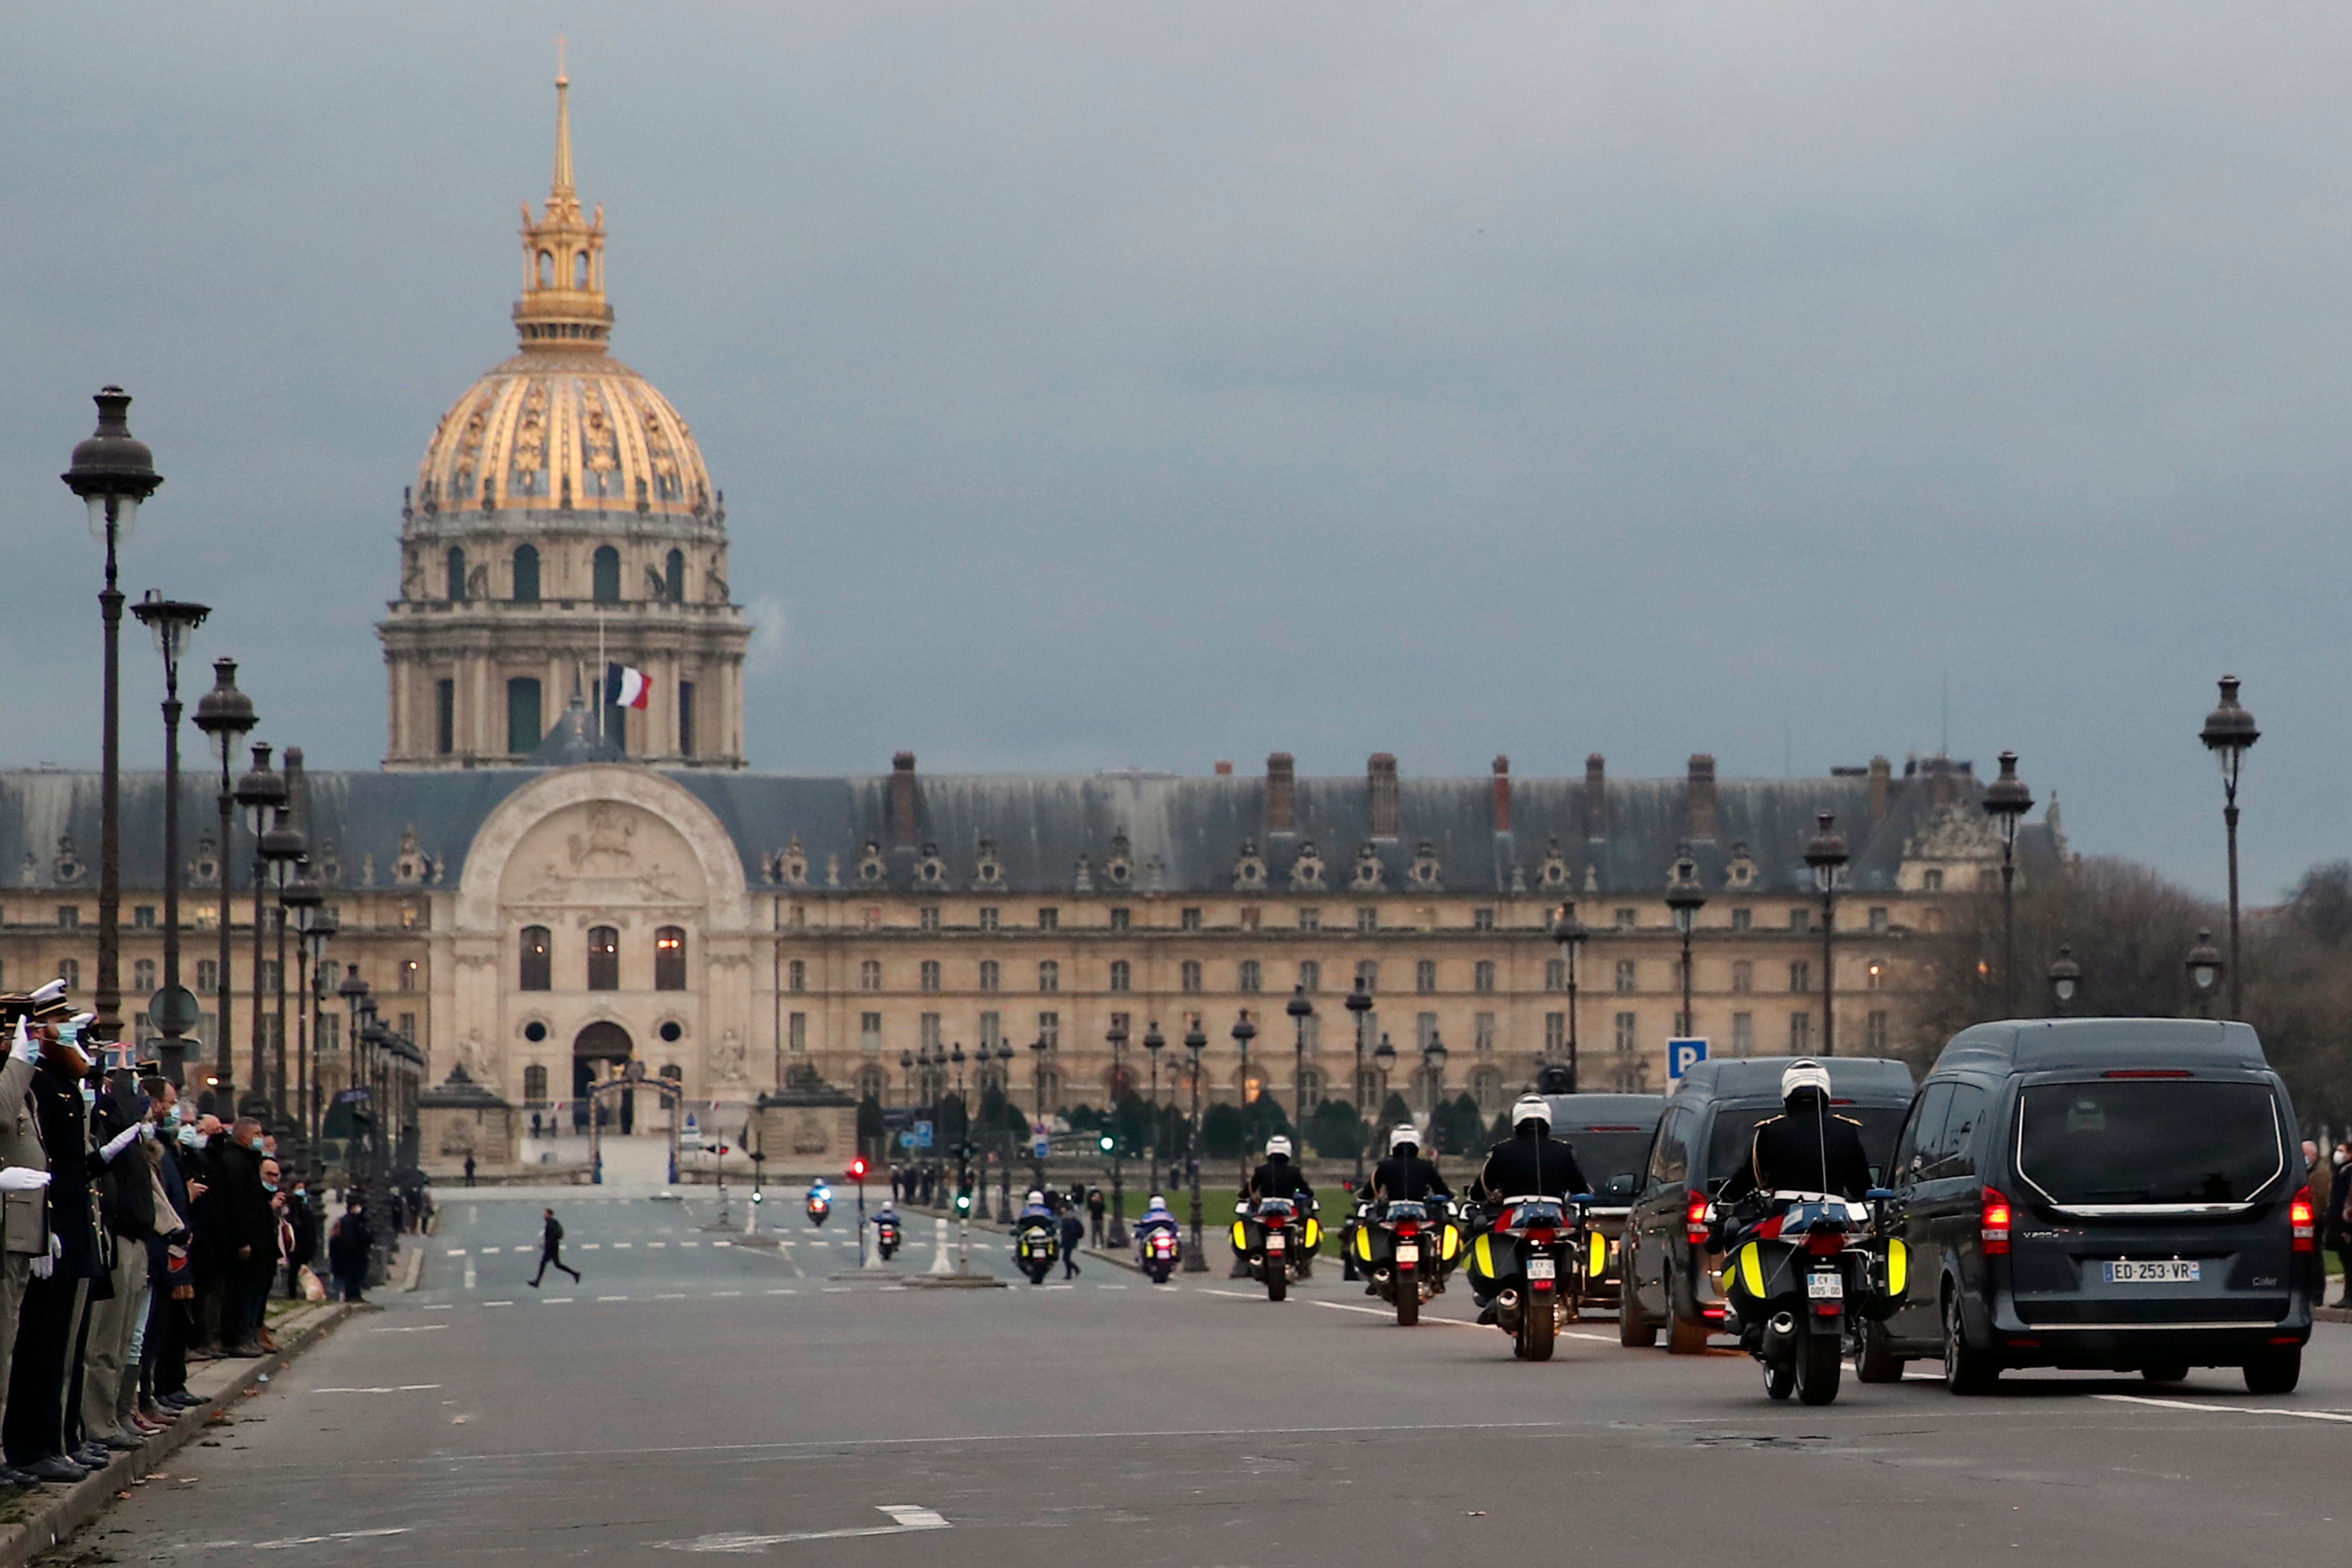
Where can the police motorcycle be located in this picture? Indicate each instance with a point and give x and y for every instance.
(820, 1202)
(1036, 1238)
(1276, 1239)
(1406, 1247)
(1799, 1282)
(1530, 1261)
(1158, 1248)
(886, 1233)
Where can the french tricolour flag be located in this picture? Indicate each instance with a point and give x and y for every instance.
(625, 687)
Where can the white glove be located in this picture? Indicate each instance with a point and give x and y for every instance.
(120, 1142)
(146, 1133)
(22, 1179)
(45, 1264)
(24, 1049)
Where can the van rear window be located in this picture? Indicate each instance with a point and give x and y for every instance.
(1735, 1132)
(2148, 1140)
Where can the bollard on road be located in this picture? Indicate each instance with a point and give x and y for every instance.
(940, 1264)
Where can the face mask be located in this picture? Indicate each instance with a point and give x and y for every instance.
(269, 1186)
(171, 1117)
(192, 1139)
(256, 1145)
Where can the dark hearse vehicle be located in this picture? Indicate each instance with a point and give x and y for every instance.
(1612, 1133)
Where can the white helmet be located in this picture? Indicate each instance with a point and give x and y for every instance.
(1157, 1201)
(1035, 1196)
(1805, 1073)
(1404, 1136)
(1531, 1108)
(1278, 1144)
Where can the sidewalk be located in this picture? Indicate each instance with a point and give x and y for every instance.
(33, 1520)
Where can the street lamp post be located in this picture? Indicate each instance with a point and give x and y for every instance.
(1154, 1042)
(260, 791)
(321, 929)
(284, 848)
(906, 1069)
(1243, 1032)
(1569, 932)
(2229, 734)
(1040, 1143)
(225, 714)
(1359, 1003)
(2066, 981)
(1433, 1063)
(112, 473)
(1117, 1236)
(2206, 967)
(1684, 898)
(174, 1010)
(1385, 1058)
(1300, 1009)
(1003, 1056)
(1195, 1042)
(354, 993)
(302, 899)
(2006, 801)
(1826, 855)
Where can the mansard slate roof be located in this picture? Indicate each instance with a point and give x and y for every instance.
(1181, 834)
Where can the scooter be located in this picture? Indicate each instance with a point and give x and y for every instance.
(1531, 1263)
(1798, 1283)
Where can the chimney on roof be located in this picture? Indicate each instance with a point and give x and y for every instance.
(1882, 774)
(1502, 794)
(1596, 798)
(1943, 789)
(1281, 793)
(902, 800)
(1702, 797)
(1380, 779)
(1225, 768)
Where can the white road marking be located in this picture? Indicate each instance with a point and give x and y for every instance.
(619, 1246)
(1376, 1311)
(715, 1244)
(908, 1519)
(395, 1388)
(555, 1301)
(492, 1251)
(498, 1303)
(469, 1273)
(657, 1243)
(443, 1306)
(1110, 1287)
(671, 1295)
(837, 1290)
(690, 1244)
(726, 1293)
(611, 1298)
(590, 1245)
(283, 1543)
(414, 1328)
(457, 1252)
(785, 1291)
(2222, 1409)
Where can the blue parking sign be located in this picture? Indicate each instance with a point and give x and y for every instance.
(922, 1134)
(1683, 1055)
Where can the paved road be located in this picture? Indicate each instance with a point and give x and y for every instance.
(690, 1397)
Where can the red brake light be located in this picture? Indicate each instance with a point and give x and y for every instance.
(1694, 1220)
(2302, 1218)
(1408, 1227)
(1825, 1244)
(1541, 1235)
(1992, 1224)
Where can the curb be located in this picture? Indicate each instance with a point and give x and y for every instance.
(2332, 1314)
(57, 1514)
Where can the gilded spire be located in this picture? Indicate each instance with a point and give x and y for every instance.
(562, 305)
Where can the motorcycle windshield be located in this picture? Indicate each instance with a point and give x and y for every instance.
(1398, 1211)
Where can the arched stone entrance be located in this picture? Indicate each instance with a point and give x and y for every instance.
(600, 1051)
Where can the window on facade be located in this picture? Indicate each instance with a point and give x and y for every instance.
(1118, 920)
(523, 734)
(444, 716)
(1800, 1034)
(410, 971)
(1310, 977)
(535, 972)
(870, 1033)
(796, 976)
(669, 959)
(1743, 1033)
(1931, 881)
(1801, 919)
(456, 564)
(1482, 1032)
(1368, 919)
(70, 970)
(1743, 920)
(931, 974)
(1482, 975)
(988, 918)
(142, 976)
(604, 575)
(927, 917)
(1310, 919)
(207, 975)
(1624, 1038)
(1482, 920)
(143, 917)
(869, 974)
(1874, 975)
(1424, 977)
(1049, 919)
(270, 973)
(1626, 920)
(1252, 976)
(534, 1085)
(1625, 974)
(992, 975)
(796, 1032)
(1873, 1033)
(674, 577)
(1743, 975)
(69, 917)
(1188, 920)
(1190, 974)
(1049, 1032)
(686, 718)
(1555, 1034)
(1049, 975)
(1118, 974)
(992, 1028)
(928, 1031)
(604, 958)
(1878, 921)
(526, 575)
(1801, 976)
(1555, 974)
(1425, 1029)
(1367, 973)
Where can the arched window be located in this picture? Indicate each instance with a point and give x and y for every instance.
(669, 959)
(674, 577)
(603, 959)
(534, 1085)
(526, 575)
(546, 269)
(457, 567)
(606, 571)
(1120, 974)
(579, 269)
(536, 974)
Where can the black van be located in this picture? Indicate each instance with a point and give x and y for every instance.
(2112, 1194)
(1670, 1271)
(1612, 1135)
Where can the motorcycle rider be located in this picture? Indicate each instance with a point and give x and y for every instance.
(887, 1220)
(1276, 1178)
(1806, 1148)
(1530, 1164)
(1404, 1174)
(1155, 1216)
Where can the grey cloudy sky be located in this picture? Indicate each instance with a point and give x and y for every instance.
(1104, 384)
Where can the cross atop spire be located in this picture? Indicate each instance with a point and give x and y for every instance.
(562, 305)
(561, 188)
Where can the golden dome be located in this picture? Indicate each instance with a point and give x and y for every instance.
(563, 425)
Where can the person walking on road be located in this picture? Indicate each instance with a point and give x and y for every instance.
(551, 1251)
(1074, 1231)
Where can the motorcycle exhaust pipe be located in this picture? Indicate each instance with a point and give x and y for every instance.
(1778, 1334)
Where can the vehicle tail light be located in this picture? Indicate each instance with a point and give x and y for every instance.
(1694, 1220)
(1710, 1310)
(1825, 1244)
(1992, 1224)
(2146, 1072)
(2302, 1220)
(1407, 1228)
(1542, 1235)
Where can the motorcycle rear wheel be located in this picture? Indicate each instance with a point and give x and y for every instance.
(1160, 1274)
(1780, 1379)
(1406, 1286)
(1278, 1278)
(1820, 1361)
(1536, 1328)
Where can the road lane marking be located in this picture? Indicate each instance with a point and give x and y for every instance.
(611, 1298)
(414, 1328)
(787, 1290)
(1110, 1287)
(285, 1541)
(657, 1243)
(2222, 1409)
(908, 1519)
(619, 1246)
(498, 1303)
(668, 1296)
(457, 1252)
(469, 1273)
(443, 1306)
(717, 1293)
(492, 1251)
(1378, 1312)
(556, 1300)
(391, 1388)
(590, 1245)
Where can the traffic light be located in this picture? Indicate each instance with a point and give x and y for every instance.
(963, 1199)
(857, 1168)
(1107, 1140)
(722, 1151)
